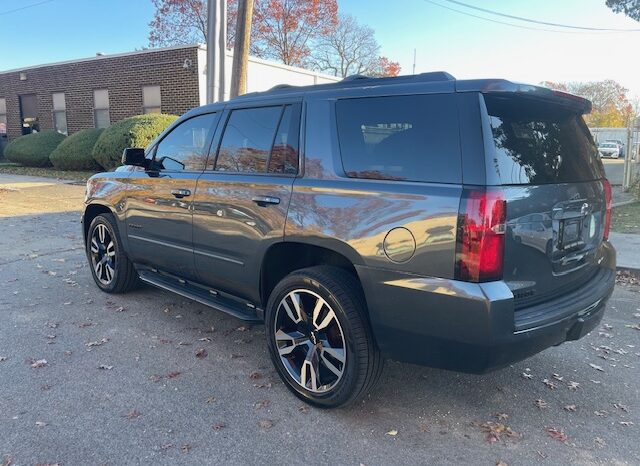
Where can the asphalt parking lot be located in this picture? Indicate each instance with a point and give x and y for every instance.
(90, 378)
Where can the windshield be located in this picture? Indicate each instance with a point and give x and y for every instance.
(537, 142)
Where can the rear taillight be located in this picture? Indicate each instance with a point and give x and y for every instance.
(607, 215)
(481, 235)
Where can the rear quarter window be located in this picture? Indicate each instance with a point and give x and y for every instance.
(402, 138)
(537, 142)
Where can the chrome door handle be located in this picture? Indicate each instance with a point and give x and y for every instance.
(262, 201)
(180, 193)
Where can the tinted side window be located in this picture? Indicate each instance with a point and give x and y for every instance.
(247, 140)
(413, 138)
(184, 148)
(284, 154)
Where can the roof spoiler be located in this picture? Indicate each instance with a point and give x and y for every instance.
(503, 86)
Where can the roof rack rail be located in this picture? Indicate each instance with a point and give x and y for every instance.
(355, 77)
(436, 76)
(280, 86)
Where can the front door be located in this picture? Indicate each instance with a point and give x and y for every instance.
(242, 198)
(159, 199)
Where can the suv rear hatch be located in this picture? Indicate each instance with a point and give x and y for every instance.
(541, 154)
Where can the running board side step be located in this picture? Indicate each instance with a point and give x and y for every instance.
(200, 294)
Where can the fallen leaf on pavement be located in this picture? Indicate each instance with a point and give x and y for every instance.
(392, 432)
(211, 399)
(601, 413)
(37, 364)
(204, 339)
(502, 416)
(527, 376)
(550, 384)
(255, 375)
(40, 423)
(626, 423)
(3, 358)
(132, 414)
(201, 353)
(262, 385)
(7, 461)
(599, 442)
(105, 367)
(556, 434)
(173, 375)
(558, 377)
(501, 463)
(496, 431)
(573, 385)
(541, 404)
(219, 426)
(596, 367)
(303, 409)
(262, 404)
(100, 342)
(571, 408)
(265, 424)
(186, 448)
(622, 407)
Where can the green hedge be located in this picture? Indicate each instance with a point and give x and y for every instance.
(137, 131)
(33, 150)
(75, 152)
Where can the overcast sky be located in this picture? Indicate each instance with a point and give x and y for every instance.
(466, 47)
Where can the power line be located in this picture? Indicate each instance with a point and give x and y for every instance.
(24, 7)
(520, 26)
(529, 20)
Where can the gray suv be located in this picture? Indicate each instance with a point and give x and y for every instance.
(459, 224)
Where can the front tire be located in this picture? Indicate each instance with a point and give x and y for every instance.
(319, 338)
(111, 269)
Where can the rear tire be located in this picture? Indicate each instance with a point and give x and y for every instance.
(319, 338)
(111, 269)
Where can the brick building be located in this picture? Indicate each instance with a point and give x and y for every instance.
(97, 91)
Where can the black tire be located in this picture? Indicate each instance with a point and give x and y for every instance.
(124, 277)
(342, 293)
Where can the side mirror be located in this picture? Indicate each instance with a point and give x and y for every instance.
(134, 156)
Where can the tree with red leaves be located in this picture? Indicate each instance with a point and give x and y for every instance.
(285, 29)
(282, 29)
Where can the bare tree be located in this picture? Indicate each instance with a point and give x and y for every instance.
(351, 48)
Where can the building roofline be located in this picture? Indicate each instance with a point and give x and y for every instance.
(105, 57)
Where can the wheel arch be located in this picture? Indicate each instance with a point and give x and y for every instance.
(285, 257)
(91, 211)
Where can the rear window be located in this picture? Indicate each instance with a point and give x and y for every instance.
(412, 138)
(537, 142)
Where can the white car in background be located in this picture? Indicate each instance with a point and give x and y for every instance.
(609, 149)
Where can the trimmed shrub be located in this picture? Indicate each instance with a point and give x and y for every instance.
(33, 150)
(75, 152)
(137, 131)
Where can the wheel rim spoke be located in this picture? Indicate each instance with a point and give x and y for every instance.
(294, 314)
(109, 272)
(103, 254)
(309, 372)
(287, 342)
(94, 246)
(111, 249)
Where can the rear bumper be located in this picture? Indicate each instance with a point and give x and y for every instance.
(473, 327)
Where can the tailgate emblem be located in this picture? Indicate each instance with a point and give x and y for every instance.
(584, 210)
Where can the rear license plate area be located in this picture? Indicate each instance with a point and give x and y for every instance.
(570, 233)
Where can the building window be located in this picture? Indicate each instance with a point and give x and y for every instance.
(151, 101)
(59, 113)
(101, 117)
(3, 117)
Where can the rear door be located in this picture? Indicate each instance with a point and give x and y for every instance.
(542, 154)
(159, 199)
(241, 202)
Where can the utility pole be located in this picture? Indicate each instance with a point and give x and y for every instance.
(216, 49)
(629, 166)
(241, 48)
(414, 61)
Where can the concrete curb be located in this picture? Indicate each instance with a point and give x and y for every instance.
(620, 204)
(632, 270)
